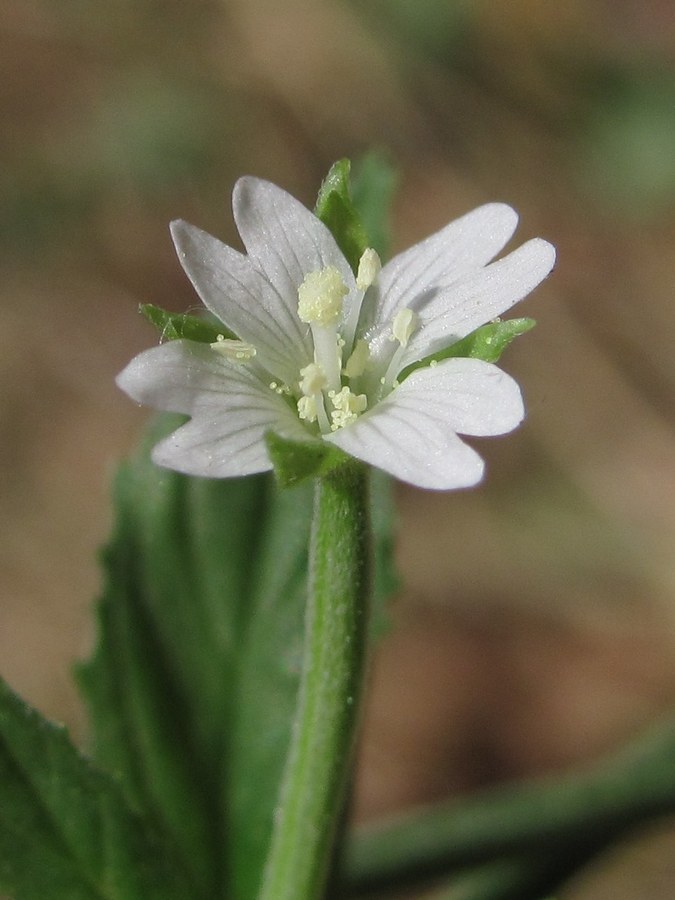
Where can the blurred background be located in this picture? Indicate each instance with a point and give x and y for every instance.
(536, 630)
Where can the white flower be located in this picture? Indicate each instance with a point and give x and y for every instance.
(321, 351)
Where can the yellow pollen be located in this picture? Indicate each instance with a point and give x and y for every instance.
(320, 297)
(369, 269)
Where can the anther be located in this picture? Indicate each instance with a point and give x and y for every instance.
(403, 325)
(237, 351)
(357, 362)
(369, 269)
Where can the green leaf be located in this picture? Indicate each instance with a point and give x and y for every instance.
(66, 831)
(517, 878)
(559, 821)
(335, 209)
(193, 685)
(161, 684)
(373, 186)
(172, 326)
(294, 461)
(270, 659)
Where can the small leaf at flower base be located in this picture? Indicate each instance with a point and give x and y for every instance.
(66, 831)
(336, 210)
(335, 182)
(296, 460)
(174, 326)
(489, 341)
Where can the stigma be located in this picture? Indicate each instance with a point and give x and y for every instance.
(320, 297)
(347, 407)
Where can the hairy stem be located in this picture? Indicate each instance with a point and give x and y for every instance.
(316, 771)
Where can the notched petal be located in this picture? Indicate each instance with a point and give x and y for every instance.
(462, 246)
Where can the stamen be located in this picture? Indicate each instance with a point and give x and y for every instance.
(307, 408)
(405, 322)
(369, 268)
(237, 351)
(357, 362)
(312, 409)
(327, 354)
(311, 405)
(324, 424)
(403, 325)
(313, 380)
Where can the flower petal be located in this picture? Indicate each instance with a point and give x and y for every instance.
(234, 291)
(412, 433)
(456, 311)
(231, 409)
(464, 245)
(286, 242)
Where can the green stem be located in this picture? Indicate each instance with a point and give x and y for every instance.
(316, 771)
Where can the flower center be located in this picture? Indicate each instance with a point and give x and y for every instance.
(324, 398)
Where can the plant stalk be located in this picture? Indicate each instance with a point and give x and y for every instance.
(317, 768)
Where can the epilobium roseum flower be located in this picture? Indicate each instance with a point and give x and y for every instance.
(321, 353)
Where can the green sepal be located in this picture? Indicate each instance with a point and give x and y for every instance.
(336, 210)
(294, 461)
(487, 343)
(174, 326)
(66, 830)
(373, 183)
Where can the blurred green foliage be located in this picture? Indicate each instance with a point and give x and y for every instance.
(627, 153)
